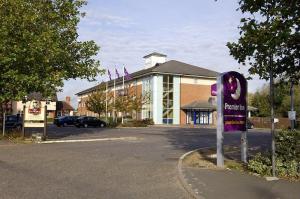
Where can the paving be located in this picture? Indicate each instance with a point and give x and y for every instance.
(235, 185)
(145, 167)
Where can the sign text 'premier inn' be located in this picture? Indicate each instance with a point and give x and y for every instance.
(234, 101)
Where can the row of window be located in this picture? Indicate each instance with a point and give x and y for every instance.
(168, 97)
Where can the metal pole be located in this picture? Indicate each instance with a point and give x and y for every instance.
(123, 93)
(220, 123)
(292, 104)
(45, 123)
(106, 103)
(244, 140)
(3, 128)
(114, 109)
(272, 119)
(23, 121)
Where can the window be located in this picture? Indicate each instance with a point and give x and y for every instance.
(168, 99)
(147, 92)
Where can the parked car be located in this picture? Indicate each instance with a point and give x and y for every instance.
(65, 120)
(250, 125)
(13, 122)
(87, 121)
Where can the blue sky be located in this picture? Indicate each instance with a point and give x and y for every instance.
(190, 31)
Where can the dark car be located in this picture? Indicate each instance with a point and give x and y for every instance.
(13, 122)
(65, 120)
(87, 121)
(250, 125)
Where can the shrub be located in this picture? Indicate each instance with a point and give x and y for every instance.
(287, 156)
(260, 164)
(138, 123)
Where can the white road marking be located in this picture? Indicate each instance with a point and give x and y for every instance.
(90, 140)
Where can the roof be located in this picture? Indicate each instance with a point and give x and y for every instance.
(199, 105)
(170, 67)
(63, 105)
(155, 54)
(39, 96)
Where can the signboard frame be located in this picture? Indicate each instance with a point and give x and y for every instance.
(239, 113)
(35, 117)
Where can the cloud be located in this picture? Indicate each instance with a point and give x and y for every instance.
(95, 18)
(124, 41)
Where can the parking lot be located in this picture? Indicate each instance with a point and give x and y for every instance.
(140, 168)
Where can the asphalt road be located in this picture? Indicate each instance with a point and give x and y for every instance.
(144, 168)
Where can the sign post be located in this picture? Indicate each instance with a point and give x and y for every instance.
(232, 111)
(220, 124)
(45, 123)
(3, 127)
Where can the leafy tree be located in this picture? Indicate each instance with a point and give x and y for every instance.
(269, 38)
(269, 43)
(96, 101)
(137, 101)
(39, 47)
(261, 100)
(129, 101)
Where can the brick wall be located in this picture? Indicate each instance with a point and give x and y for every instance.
(82, 110)
(190, 93)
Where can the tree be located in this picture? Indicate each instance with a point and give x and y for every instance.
(269, 38)
(137, 101)
(269, 43)
(39, 47)
(96, 101)
(129, 100)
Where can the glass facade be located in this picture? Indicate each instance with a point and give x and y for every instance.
(199, 117)
(168, 99)
(147, 91)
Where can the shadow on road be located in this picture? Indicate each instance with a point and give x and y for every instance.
(188, 139)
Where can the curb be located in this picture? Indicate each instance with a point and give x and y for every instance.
(181, 176)
(89, 140)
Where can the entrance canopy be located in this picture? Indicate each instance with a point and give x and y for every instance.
(199, 105)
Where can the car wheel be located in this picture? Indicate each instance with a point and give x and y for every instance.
(65, 124)
(102, 125)
(85, 125)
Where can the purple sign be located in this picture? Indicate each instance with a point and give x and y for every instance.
(213, 90)
(234, 101)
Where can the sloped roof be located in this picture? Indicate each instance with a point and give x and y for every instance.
(155, 54)
(39, 96)
(170, 67)
(63, 105)
(199, 105)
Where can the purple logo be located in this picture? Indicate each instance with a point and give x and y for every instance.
(234, 87)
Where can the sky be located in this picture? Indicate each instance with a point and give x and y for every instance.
(190, 31)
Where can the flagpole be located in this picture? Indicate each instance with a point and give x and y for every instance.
(114, 95)
(106, 99)
(123, 92)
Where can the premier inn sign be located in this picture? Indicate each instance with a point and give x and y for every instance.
(234, 101)
(232, 111)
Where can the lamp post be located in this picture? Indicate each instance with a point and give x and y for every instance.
(23, 115)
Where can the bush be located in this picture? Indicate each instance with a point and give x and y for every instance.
(260, 164)
(287, 156)
(138, 123)
(111, 123)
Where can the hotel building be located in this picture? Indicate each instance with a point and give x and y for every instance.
(179, 92)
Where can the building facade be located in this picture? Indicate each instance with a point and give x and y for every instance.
(179, 93)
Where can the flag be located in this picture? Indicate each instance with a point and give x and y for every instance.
(127, 75)
(117, 73)
(109, 74)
